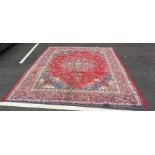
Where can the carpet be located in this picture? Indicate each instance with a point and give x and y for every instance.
(76, 76)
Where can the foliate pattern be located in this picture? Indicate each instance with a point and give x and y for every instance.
(79, 76)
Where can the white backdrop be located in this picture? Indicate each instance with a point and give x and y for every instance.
(82, 21)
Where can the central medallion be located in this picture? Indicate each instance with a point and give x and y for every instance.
(77, 68)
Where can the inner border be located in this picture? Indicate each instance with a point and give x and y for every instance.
(84, 91)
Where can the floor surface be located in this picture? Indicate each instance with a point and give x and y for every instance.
(138, 58)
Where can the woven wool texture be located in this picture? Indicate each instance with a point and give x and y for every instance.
(88, 76)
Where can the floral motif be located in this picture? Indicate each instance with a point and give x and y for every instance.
(77, 76)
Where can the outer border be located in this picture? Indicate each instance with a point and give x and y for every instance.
(18, 81)
(144, 102)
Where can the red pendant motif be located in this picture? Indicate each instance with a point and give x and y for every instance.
(77, 68)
